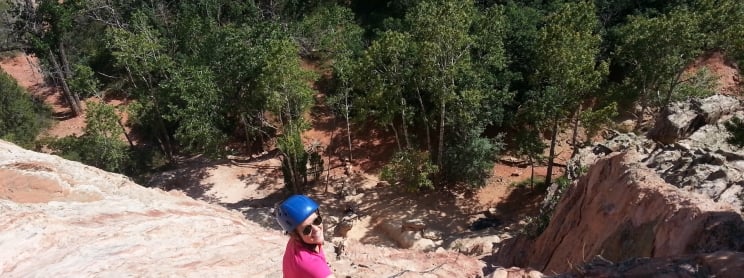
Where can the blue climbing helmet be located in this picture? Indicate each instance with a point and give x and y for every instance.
(294, 211)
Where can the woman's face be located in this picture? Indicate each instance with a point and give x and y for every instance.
(311, 230)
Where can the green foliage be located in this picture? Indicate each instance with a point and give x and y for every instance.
(655, 52)
(490, 29)
(530, 144)
(140, 51)
(436, 71)
(410, 169)
(101, 145)
(284, 82)
(722, 26)
(330, 31)
(735, 127)
(536, 225)
(531, 182)
(520, 41)
(197, 115)
(593, 119)
(568, 48)
(384, 73)
(701, 84)
(471, 161)
(21, 118)
(294, 156)
(84, 81)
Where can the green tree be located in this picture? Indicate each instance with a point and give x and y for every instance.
(471, 160)
(520, 42)
(49, 32)
(198, 115)
(529, 144)
(489, 52)
(140, 53)
(101, 144)
(567, 65)
(722, 25)
(384, 74)
(330, 31)
(595, 118)
(294, 156)
(284, 82)
(655, 52)
(444, 47)
(258, 68)
(21, 118)
(410, 169)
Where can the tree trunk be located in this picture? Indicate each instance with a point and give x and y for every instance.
(644, 104)
(65, 89)
(292, 175)
(397, 139)
(576, 123)
(246, 132)
(65, 62)
(328, 174)
(405, 123)
(532, 172)
(167, 146)
(348, 125)
(551, 154)
(672, 85)
(426, 121)
(68, 72)
(124, 130)
(440, 149)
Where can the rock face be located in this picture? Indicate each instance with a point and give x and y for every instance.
(681, 119)
(621, 209)
(698, 159)
(64, 219)
(718, 264)
(677, 196)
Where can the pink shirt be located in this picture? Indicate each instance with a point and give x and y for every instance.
(299, 261)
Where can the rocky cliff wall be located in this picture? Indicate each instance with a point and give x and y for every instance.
(677, 192)
(622, 210)
(65, 219)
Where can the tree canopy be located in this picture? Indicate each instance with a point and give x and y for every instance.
(456, 82)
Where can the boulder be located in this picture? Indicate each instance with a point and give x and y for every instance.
(408, 238)
(515, 272)
(474, 246)
(681, 119)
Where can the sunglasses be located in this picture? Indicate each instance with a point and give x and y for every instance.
(308, 229)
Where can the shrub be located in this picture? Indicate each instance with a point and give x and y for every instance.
(536, 225)
(471, 161)
(411, 169)
(100, 145)
(21, 118)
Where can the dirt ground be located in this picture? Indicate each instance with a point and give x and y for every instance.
(25, 69)
(254, 180)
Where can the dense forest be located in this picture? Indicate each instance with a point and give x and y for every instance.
(455, 82)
